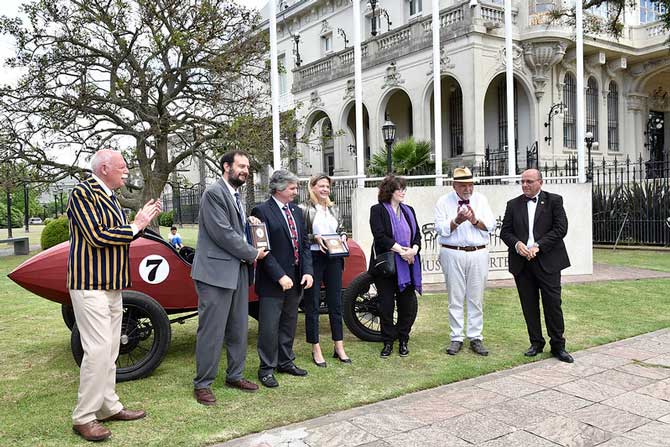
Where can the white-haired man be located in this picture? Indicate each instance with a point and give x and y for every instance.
(463, 221)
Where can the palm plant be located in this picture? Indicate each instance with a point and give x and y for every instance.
(410, 157)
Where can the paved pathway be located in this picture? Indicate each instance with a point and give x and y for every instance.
(615, 395)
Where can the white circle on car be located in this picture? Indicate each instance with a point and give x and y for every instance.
(154, 269)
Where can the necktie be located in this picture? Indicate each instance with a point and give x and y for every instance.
(118, 208)
(294, 233)
(240, 208)
(530, 199)
(464, 202)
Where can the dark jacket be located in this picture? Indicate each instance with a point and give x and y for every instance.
(309, 211)
(549, 228)
(279, 261)
(382, 231)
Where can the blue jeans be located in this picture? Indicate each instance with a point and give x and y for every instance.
(329, 271)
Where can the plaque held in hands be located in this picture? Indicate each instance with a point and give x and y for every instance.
(336, 247)
(259, 236)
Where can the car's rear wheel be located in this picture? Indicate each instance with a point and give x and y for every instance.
(68, 315)
(145, 337)
(361, 308)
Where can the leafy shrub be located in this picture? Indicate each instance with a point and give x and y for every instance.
(17, 217)
(47, 220)
(55, 232)
(166, 218)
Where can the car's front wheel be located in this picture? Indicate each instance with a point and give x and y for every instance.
(145, 337)
(361, 308)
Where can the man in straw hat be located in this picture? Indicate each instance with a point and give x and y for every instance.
(463, 221)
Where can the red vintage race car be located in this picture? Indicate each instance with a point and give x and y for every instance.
(163, 293)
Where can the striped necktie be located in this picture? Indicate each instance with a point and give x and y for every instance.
(294, 233)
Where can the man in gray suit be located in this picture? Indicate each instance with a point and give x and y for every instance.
(223, 257)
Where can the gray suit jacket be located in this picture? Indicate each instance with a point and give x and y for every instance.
(222, 245)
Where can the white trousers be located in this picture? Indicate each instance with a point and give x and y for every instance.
(465, 274)
(98, 314)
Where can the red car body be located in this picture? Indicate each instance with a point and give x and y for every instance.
(45, 274)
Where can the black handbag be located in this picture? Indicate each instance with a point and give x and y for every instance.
(383, 264)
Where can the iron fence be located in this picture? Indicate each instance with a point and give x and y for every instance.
(631, 202)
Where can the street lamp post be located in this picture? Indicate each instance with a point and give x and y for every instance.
(296, 49)
(556, 109)
(373, 5)
(388, 130)
(588, 139)
(25, 207)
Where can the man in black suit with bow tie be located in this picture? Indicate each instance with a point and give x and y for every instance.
(533, 229)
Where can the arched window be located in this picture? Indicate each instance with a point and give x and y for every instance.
(613, 117)
(592, 107)
(502, 113)
(570, 100)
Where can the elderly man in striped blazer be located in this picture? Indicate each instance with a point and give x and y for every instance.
(98, 269)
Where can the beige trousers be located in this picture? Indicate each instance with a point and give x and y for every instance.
(98, 314)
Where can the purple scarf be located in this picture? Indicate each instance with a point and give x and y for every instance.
(402, 233)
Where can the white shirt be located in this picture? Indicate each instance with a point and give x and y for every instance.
(532, 206)
(324, 223)
(466, 234)
(109, 192)
(281, 208)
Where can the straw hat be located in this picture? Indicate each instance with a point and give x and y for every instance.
(463, 175)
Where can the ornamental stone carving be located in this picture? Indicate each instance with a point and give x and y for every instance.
(540, 57)
(445, 63)
(392, 76)
(517, 53)
(636, 101)
(349, 89)
(315, 100)
(659, 100)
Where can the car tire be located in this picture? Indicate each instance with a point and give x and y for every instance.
(68, 315)
(361, 308)
(145, 337)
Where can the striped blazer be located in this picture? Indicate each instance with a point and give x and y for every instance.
(100, 239)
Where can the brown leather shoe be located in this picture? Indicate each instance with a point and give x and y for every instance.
(204, 396)
(92, 431)
(125, 415)
(243, 384)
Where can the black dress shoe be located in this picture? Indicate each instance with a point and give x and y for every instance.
(403, 350)
(319, 364)
(293, 370)
(533, 351)
(562, 355)
(386, 351)
(269, 381)
(454, 347)
(477, 347)
(337, 356)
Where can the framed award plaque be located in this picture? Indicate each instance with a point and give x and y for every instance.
(259, 236)
(337, 248)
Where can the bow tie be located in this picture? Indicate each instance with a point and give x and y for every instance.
(530, 199)
(463, 202)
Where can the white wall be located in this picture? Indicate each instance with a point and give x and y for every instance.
(577, 203)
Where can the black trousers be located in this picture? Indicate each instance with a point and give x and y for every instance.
(391, 297)
(531, 283)
(328, 270)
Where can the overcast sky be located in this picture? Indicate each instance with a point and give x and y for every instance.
(10, 8)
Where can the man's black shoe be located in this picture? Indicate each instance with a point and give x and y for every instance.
(293, 370)
(563, 356)
(387, 350)
(403, 350)
(477, 347)
(533, 351)
(454, 347)
(269, 381)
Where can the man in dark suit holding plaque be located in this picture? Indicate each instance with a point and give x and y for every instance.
(221, 270)
(533, 229)
(281, 277)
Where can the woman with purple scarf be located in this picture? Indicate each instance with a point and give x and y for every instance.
(395, 229)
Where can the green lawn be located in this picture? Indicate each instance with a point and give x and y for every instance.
(38, 378)
(33, 234)
(645, 259)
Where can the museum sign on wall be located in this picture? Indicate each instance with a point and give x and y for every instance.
(576, 199)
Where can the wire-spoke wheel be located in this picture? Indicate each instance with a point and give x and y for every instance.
(361, 308)
(145, 337)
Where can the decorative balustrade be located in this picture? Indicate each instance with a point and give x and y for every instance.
(393, 40)
(656, 29)
(496, 14)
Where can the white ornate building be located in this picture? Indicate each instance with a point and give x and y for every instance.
(626, 81)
